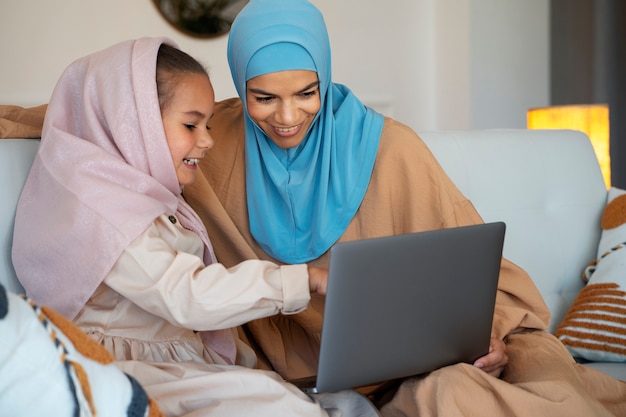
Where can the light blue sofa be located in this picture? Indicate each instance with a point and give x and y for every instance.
(546, 185)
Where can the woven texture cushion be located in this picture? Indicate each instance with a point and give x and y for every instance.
(595, 326)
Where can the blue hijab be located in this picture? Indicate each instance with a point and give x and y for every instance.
(301, 200)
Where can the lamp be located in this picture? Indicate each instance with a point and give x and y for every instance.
(591, 119)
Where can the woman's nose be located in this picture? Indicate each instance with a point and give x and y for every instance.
(287, 113)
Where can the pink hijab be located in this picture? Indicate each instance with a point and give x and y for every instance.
(102, 175)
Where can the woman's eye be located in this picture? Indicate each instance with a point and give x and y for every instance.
(265, 99)
(190, 126)
(308, 94)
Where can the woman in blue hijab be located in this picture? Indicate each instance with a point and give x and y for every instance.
(300, 199)
(299, 163)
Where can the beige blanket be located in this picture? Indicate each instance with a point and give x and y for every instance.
(408, 192)
(21, 122)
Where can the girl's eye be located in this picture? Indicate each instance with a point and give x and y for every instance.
(190, 126)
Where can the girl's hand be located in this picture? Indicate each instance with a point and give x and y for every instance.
(318, 280)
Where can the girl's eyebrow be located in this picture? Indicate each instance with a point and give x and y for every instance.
(265, 93)
(194, 113)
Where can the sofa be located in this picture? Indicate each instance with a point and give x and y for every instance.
(546, 185)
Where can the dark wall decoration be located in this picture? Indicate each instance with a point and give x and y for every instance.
(200, 18)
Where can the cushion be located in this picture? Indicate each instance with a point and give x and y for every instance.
(51, 368)
(594, 328)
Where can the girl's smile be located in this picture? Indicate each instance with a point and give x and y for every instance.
(185, 120)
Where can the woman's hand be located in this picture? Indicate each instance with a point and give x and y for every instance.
(493, 362)
(318, 280)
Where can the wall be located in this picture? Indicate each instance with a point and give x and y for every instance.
(588, 65)
(433, 64)
(509, 60)
(47, 35)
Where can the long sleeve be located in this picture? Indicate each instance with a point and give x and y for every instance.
(162, 272)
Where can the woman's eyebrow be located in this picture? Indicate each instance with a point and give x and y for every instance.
(259, 91)
(266, 93)
(308, 87)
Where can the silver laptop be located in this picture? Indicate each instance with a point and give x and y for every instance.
(405, 305)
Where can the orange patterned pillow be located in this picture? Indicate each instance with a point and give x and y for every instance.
(595, 326)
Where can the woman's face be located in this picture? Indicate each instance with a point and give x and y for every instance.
(284, 104)
(185, 120)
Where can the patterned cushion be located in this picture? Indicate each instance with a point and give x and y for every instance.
(595, 326)
(51, 368)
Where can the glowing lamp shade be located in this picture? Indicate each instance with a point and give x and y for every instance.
(592, 119)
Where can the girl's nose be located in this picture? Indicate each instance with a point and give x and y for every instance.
(206, 140)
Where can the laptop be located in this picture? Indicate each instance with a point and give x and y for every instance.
(406, 305)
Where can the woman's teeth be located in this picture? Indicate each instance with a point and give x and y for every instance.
(286, 130)
(191, 161)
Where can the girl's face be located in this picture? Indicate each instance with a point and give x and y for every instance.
(284, 104)
(185, 120)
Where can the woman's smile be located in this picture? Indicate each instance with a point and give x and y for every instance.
(284, 104)
(287, 131)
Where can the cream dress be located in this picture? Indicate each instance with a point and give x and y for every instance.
(160, 289)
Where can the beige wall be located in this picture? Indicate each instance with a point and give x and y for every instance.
(433, 64)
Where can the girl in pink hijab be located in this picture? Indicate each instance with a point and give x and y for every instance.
(103, 236)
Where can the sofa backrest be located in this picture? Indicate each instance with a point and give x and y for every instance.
(16, 157)
(546, 185)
